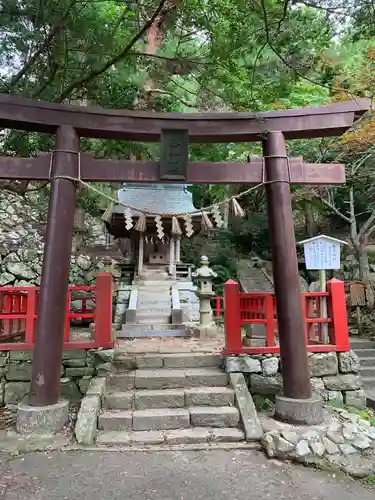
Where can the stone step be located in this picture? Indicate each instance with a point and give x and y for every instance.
(367, 362)
(119, 400)
(169, 398)
(168, 360)
(191, 360)
(151, 310)
(170, 378)
(164, 330)
(368, 382)
(214, 416)
(116, 421)
(362, 343)
(368, 371)
(158, 419)
(365, 353)
(151, 320)
(192, 435)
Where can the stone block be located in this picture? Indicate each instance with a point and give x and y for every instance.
(323, 363)
(201, 377)
(149, 361)
(125, 362)
(266, 385)
(349, 362)
(69, 390)
(227, 435)
(270, 366)
(214, 416)
(356, 398)
(159, 379)
(209, 396)
(87, 420)
(15, 392)
(116, 421)
(42, 419)
(242, 364)
(20, 371)
(188, 436)
(146, 438)
(122, 381)
(335, 397)
(84, 383)
(104, 355)
(191, 360)
(343, 382)
(119, 401)
(74, 354)
(317, 386)
(79, 371)
(104, 369)
(98, 385)
(21, 355)
(165, 398)
(161, 419)
(74, 363)
(245, 404)
(3, 361)
(113, 438)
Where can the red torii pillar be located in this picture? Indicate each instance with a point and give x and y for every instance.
(297, 403)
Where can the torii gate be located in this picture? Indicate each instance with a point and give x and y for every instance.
(65, 164)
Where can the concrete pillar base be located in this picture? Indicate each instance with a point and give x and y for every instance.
(299, 411)
(42, 419)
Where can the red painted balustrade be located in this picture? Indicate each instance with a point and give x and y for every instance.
(19, 313)
(242, 309)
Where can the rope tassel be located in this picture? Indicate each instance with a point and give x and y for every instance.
(176, 228)
(141, 223)
(236, 209)
(206, 224)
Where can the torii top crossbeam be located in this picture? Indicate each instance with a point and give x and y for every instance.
(305, 123)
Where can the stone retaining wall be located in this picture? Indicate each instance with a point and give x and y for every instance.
(77, 369)
(335, 376)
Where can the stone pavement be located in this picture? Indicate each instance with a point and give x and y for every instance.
(170, 345)
(184, 475)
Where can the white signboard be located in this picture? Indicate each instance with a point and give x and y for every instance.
(322, 253)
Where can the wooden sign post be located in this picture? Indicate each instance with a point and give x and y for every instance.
(322, 253)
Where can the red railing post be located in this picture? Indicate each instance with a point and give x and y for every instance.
(270, 318)
(217, 307)
(30, 315)
(337, 311)
(103, 309)
(232, 317)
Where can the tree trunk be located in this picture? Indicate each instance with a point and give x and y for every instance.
(310, 225)
(364, 267)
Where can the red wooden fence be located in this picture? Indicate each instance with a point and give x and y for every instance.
(241, 309)
(19, 312)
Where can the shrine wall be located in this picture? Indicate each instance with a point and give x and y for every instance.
(22, 241)
(334, 376)
(77, 369)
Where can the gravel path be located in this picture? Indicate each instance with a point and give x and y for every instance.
(219, 475)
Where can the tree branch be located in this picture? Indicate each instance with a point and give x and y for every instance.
(333, 208)
(56, 28)
(114, 60)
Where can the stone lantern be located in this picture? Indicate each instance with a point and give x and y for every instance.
(204, 276)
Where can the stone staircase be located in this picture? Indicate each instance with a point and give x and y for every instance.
(154, 302)
(168, 399)
(154, 306)
(365, 350)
